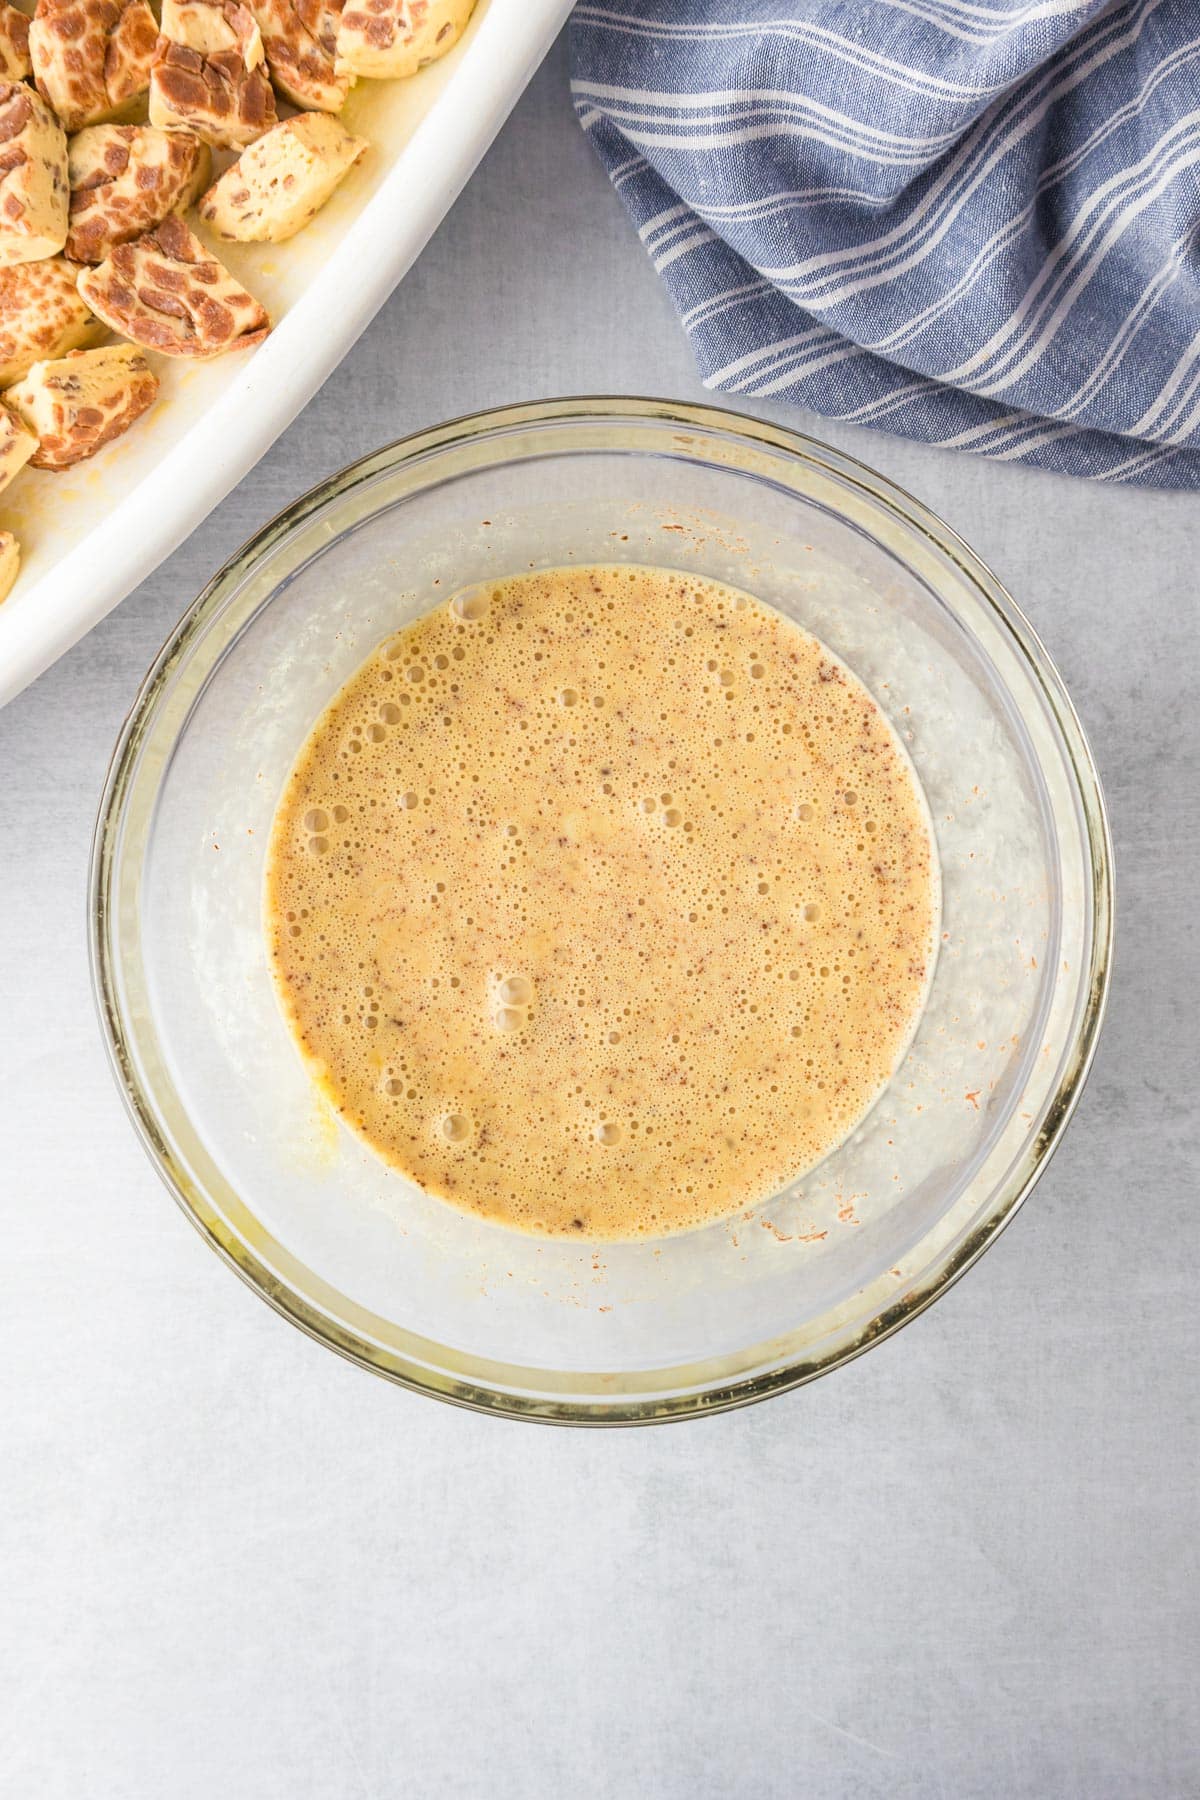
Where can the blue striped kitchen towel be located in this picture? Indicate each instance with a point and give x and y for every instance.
(972, 222)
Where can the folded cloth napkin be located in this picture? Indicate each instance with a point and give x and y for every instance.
(972, 222)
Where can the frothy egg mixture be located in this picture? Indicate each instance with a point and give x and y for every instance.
(602, 901)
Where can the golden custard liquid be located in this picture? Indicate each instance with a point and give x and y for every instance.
(602, 901)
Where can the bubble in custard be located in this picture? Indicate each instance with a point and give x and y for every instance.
(471, 605)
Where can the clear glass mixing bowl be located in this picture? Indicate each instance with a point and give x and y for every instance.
(543, 1328)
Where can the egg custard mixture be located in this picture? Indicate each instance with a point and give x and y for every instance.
(602, 901)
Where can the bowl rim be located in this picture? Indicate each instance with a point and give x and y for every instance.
(1079, 1049)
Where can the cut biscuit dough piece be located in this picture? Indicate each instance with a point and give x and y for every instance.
(387, 38)
(10, 563)
(210, 74)
(211, 26)
(91, 58)
(17, 445)
(168, 292)
(33, 177)
(14, 45)
(277, 185)
(300, 40)
(126, 179)
(81, 402)
(42, 314)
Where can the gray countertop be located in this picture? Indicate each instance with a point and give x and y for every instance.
(964, 1565)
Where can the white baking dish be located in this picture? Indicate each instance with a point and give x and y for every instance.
(91, 535)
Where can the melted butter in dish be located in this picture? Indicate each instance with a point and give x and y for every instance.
(602, 901)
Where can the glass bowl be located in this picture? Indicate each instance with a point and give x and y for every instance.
(548, 1328)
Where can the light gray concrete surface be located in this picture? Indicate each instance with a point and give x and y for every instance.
(233, 1565)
